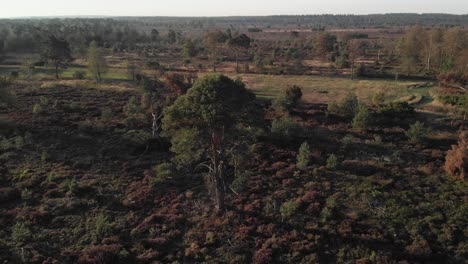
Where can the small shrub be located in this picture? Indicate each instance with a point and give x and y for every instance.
(288, 209)
(346, 141)
(106, 115)
(289, 99)
(98, 227)
(417, 132)
(20, 233)
(378, 98)
(79, 74)
(361, 117)
(396, 109)
(75, 106)
(132, 108)
(26, 194)
(71, 185)
(332, 162)
(303, 158)
(347, 107)
(37, 109)
(163, 172)
(44, 101)
(239, 183)
(285, 127)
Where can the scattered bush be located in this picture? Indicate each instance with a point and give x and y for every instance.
(303, 158)
(456, 161)
(26, 194)
(332, 162)
(43, 101)
(347, 107)
(20, 233)
(98, 227)
(396, 109)
(417, 132)
(361, 116)
(285, 127)
(288, 209)
(79, 74)
(378, 98)
(163, 172)
(239, 184)
(132, 108)
(37, 109)
(290, 99)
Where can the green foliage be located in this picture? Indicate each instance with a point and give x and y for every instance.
(303, 158)
(285, 127)
(26, 194)
(79, 74)
(417, 132)
(361, 117)
(132, 108)
(454, 99)
(96, 62)
(71, 185)
(289, 99)
(44, 101)
(347, 107)
(332, 162)
(98, 227)
(396, 109)
(163, 173)
(378, 98)
(214, 104)
(37, 109)
(288, 209)
(239, 184)
(20, 233)
(190, 49)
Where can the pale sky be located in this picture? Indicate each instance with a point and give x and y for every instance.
(21, 8)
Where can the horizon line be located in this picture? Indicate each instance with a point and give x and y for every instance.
(226, 16)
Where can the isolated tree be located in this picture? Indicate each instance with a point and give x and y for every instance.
(131, 69)
(208, 123)
(361, 117)
(239, 44)
(171, 36)
(303, 158)
(5, 96)
(56, 51)
(411, 49)
(325, 43)
(214, 42)
(154, 36)
(154, 102)
(190, 49)
(96, 61)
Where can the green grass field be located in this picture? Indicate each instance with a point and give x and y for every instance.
(318, 89)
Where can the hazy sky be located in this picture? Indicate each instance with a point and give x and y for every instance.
(14, 8)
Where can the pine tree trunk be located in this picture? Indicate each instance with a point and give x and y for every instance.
(56, 70)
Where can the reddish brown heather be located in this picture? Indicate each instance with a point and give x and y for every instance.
(456, 162)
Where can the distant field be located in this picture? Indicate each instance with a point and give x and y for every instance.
(318, 89)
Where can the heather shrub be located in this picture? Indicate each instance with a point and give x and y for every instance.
(456, 161)
(285, 127)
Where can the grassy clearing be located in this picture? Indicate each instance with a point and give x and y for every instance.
(325, 89)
